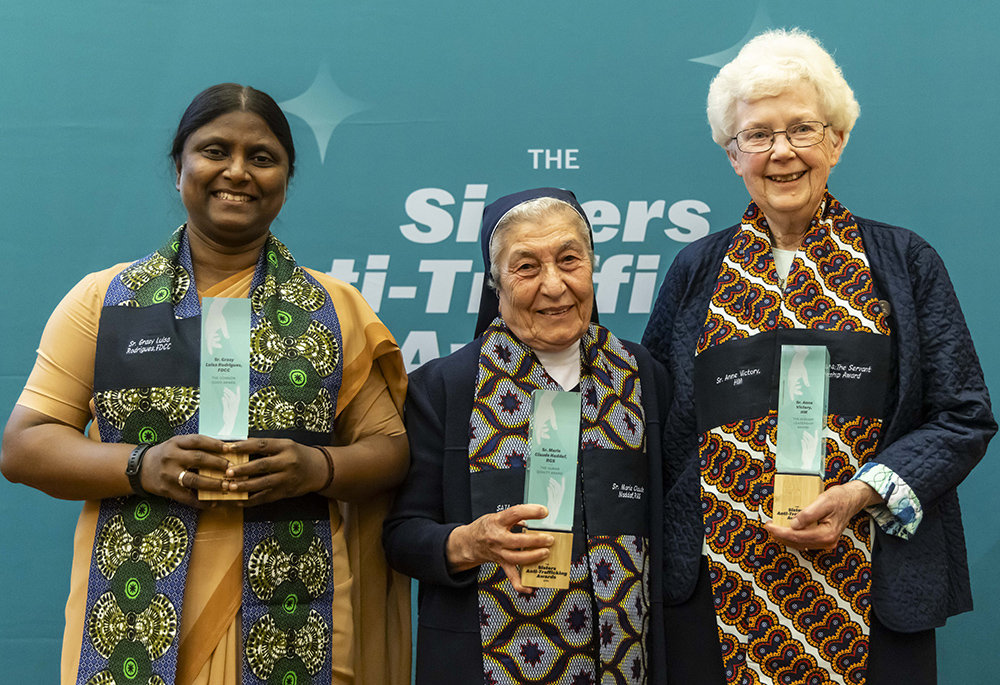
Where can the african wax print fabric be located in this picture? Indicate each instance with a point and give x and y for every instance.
(549, 635)
(786, 616)
(146, 390)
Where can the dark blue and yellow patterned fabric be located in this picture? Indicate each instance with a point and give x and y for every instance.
(287, 595)
(146, 390)
(550, 636)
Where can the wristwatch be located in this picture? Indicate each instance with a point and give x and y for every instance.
(134, 466)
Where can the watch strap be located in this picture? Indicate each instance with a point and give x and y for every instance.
(135, 466)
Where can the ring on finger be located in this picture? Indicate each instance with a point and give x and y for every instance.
(180, 478)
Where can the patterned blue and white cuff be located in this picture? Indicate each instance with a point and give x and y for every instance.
(901, 513)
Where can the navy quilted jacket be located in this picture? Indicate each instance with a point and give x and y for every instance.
(938, 421)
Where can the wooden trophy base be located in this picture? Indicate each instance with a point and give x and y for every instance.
(237, 459)
(554, 571)
(792, 494)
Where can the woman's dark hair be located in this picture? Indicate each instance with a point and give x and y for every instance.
(224, 98)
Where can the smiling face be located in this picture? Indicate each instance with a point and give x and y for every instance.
(786, 182)
(546, 287)
(232, 176)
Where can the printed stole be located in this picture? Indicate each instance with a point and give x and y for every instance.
(549, 636)
(786, 616)
(146, 389)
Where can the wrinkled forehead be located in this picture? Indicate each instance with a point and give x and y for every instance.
(500, 211)
(501, 239)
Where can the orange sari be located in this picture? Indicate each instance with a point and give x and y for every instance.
(373, 647)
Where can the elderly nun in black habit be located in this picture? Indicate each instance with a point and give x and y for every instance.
(456, 521)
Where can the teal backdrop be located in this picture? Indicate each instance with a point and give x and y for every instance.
(407, 118)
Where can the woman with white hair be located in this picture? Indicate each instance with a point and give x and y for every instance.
(455, 521)
(877, 561)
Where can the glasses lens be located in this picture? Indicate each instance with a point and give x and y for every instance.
(755, 139)
(805, 133)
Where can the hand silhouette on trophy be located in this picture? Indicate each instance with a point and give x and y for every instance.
(230, 406)
(545, 418)
(797, 374)
(215, 325)
(809, 441)
(556, 489)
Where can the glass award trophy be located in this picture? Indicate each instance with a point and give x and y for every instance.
(550, 480)
(800, 458)
(224, 411)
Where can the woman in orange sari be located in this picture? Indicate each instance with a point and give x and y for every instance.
(166, 589)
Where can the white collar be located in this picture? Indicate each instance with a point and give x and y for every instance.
(563, 366)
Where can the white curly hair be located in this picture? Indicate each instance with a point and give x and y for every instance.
(769, 65)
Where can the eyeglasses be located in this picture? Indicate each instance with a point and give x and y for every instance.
(802, 134)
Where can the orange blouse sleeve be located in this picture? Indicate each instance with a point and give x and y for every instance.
(62, 380)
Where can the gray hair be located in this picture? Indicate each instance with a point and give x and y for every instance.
(769, 65)
(534, 211)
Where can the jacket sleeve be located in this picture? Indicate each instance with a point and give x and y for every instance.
(416, 530)
(955, 421)
(671, 337)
